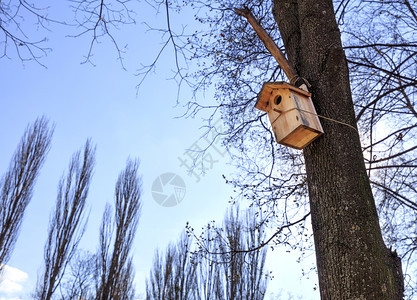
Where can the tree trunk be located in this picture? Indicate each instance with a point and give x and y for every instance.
(352, 259)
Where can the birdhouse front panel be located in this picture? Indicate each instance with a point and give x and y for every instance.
(291, 113)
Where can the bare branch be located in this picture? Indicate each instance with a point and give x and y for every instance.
(98, 19)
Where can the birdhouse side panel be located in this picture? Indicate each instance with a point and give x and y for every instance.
(307, 112)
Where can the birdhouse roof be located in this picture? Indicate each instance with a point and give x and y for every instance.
(269, 87)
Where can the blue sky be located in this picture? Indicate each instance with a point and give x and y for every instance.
(101, 102)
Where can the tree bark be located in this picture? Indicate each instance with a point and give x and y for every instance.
(352, 259)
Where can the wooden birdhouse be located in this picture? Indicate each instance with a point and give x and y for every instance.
(291, 112)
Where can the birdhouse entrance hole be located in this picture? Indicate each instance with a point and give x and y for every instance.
(277, 100)
(291, 113)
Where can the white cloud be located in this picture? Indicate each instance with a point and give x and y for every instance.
(11, 283)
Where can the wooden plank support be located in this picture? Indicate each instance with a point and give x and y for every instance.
(269, 44)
